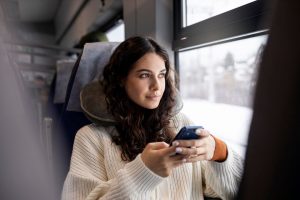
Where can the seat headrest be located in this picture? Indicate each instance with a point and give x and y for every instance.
(94, 106)
(93, 59)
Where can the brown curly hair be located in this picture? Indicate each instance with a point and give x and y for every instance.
(136, 125)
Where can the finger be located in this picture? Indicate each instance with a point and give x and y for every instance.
(168, 151)
(198, 131)
(158, 145)
(177, 157)
(202, 133)
(191, 151)
(190, 143)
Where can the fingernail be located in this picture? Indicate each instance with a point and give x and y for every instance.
(175, 143)
(198, 131)
(178, 150)
(184, 160)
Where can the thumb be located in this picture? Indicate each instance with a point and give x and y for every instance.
(170, 150)
(202, 132)
(159, 145)
(164, 148)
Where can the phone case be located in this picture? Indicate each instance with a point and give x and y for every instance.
(187, 133)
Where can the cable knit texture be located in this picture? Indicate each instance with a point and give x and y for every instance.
(98, 172)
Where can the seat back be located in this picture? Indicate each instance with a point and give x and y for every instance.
(87, 68)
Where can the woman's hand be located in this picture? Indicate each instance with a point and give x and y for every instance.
(160, 158)
(196, 150)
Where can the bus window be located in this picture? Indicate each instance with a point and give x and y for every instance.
(116, 33)
(217, 85)
(196, 11)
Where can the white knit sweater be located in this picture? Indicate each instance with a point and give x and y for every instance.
(98, 172)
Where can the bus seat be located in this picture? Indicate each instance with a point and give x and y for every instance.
(63, 72)
(93, 60)
(88, 67)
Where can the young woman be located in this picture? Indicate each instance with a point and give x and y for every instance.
(131, 157)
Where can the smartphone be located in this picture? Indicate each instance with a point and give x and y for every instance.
(187, 133)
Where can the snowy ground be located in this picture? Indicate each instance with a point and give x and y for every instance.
(228, 122)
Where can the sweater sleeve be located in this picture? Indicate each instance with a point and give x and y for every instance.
(87, 178)
(223, 178)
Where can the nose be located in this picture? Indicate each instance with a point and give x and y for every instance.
(155, 84)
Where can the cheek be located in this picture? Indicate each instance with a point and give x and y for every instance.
(134, 90)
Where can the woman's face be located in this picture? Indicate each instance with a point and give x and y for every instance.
(145, 83)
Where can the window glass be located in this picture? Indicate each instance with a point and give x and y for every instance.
(217, 85)
(195, 11)
(117, 33)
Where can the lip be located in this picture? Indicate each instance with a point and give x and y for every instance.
(153, 96)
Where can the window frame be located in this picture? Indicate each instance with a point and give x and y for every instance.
(246, 21)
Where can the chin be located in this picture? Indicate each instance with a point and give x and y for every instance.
(151, 107)
(148, 104)
(154, 107)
